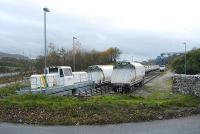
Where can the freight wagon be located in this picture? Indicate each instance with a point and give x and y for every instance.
(100, 74)
(126, 75)
(149, 68)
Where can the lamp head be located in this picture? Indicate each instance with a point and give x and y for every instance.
(46, 9)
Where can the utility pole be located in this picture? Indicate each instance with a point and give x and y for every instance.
(45, 41)
(185, 59)
(45, 47)
(74, 62)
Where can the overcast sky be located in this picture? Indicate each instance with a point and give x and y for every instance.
(140, 28)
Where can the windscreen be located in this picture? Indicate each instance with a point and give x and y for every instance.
(67, 72)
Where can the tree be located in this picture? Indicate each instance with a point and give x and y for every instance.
(83, 58)
(62, 53)
(113, 53)
(193, 63)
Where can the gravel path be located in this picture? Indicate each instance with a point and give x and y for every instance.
(160, 83)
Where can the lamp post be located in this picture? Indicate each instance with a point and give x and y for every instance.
(185, 58)
(45, 41)
(74, 38)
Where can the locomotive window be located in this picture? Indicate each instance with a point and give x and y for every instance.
(61, 73)
(53, 70)
(67, 72)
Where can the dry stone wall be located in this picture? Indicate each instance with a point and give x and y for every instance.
(186, 84)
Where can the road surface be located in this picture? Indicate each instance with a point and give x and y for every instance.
(187, 125)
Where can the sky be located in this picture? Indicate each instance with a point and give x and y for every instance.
(142, 29)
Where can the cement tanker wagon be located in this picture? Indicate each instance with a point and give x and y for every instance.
(100, 73)
(126, 75)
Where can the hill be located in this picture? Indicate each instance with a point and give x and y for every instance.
(16, 56)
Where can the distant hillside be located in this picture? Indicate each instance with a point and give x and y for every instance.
(16, 56)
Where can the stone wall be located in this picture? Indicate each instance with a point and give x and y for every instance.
(186, 84)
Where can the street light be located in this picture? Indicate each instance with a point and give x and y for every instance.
(74, 38)
(185, 58)
(45, 42)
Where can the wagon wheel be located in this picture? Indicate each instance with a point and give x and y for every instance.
(132, 88)
(115, 89)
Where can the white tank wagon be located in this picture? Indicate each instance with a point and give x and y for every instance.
(126, 75)
(100, 73)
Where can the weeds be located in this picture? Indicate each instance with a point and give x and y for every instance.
(11, 89)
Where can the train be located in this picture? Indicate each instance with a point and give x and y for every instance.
(123, 75)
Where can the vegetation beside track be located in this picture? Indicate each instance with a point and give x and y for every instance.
(44, 109)
(11, 89)
(193, 64)
(9, 79)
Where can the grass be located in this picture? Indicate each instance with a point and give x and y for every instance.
(9, 79)
(163, 73)
(44, 109)
(11, 89)
(160, 99)
(169, 83)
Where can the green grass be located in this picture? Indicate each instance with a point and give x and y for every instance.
(169, 82)
(44, 109)
(160, 99)
(163, 73)
(9, 79)
(11, 89)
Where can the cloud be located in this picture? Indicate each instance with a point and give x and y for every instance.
(141, 28)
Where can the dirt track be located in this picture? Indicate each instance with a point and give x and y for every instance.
(160, 83)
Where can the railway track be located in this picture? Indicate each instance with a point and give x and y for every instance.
(151, 76)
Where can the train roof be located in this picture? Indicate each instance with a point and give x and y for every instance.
(100, 67)
(59, 67)
(127, 64)
(82, 72)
